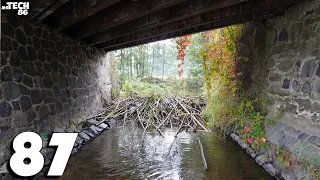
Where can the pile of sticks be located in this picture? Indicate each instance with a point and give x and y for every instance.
(154, 112)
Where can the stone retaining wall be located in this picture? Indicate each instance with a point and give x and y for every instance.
(292, 54)
(47, 80)
(286, 55)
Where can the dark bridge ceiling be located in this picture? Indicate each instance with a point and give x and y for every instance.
(115, 24)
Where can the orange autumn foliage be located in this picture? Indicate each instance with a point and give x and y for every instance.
(182, 44)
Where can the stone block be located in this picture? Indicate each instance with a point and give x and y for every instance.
(38, 31)
(94, 129)
(251, 152)
(5, 109)
(278, 126)
(32, 53)
(293, 132)
(58, 130)
(47, 96)
(275, 77)
(6, 74)
(316, 107)
(286, 174)
(288, 141)
(92, 122)
(79, 140)
(27, 81)
(112, 122)
(317, 87)
(286, 83)
(289, 107)
(6, 133)
(63, 96)
(25, 103)
(307, 69)
(304, 103)
(277, 89)
(44, 43)
(261, 159)
(285, 65)
(270, 169)
(47, 81)
(58, 105)
(11, 91)
(44, 112)
(7, 30)
(244, 145)
(62, 82)
(318, 71)
(15, 105)
(20, 37)
(14, 60)
(28, 29)
(314, 140)
(89, 133)
(22, 54)
(20, 120)
(36, 44)
(306, 88)
(84, 136)
(283, 36)
(103, 126)
(17, 74)
(31, 115)
(13, 20)
(275, 138)
(36, 97)
(303, 136)
(5, 44)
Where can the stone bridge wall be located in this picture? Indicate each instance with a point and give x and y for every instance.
(47, 80)
(287, 70)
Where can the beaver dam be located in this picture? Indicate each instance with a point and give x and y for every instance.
(158, 113)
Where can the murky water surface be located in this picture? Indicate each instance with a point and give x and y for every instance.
(122, 153)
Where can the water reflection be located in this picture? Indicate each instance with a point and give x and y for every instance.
(122, 153)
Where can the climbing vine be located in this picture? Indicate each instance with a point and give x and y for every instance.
(219, 57)
(182, 44)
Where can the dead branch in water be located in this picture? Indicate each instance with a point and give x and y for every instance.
(202, 155)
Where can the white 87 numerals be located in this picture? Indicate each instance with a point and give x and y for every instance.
(27, 159)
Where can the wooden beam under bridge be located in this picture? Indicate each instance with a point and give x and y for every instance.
(166, 16)
(118, 14)
(212, 20)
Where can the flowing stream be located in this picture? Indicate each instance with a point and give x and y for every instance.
(122, 153)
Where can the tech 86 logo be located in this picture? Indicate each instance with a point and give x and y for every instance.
(22, 7)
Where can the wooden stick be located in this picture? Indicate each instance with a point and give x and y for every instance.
(193, 117)
(202, 155)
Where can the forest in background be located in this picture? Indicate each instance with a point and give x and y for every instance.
(154, 68)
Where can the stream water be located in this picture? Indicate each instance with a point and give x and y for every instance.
(122, 153)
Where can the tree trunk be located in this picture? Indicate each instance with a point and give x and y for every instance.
(163, 62)
(151, 73)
